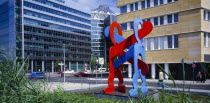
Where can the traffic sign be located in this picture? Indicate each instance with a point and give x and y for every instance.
(193, 65)
(101, 60)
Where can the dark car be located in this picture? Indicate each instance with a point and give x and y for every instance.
(80, 74)
(36, 75)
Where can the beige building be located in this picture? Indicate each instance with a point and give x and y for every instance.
(181, 30)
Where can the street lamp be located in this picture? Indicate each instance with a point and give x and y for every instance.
(64, 62)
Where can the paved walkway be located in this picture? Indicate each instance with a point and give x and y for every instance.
(196, 88)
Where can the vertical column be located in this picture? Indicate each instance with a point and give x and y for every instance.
(52, 66)
(77, 67)
(164, 1)
(139, 7)
(152, 21)
(69, 65)
(129, 70)
(128, 26)
(42, 65)
(22, 17)
(207, 40)
(165, 20)
(166, 66)
(32, 65)
(153, 71)
(151, 3)
(128, 8)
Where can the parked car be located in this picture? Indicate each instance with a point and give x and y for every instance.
(36, 75)
(80, 74)
(67, 71)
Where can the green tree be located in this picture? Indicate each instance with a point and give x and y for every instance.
(56, 65)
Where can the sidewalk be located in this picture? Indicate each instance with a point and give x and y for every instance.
(76, 87)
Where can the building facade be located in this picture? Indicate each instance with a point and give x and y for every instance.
(181, 30)
(101, 17)
(45, 31)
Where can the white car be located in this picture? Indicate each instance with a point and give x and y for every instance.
(69, 71)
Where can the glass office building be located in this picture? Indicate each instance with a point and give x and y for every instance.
(101, 17)
(41, 30)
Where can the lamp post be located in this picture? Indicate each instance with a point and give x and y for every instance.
(96, 70)
(64, 78)
(193, 66)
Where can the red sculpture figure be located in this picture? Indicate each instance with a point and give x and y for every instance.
(120, 44)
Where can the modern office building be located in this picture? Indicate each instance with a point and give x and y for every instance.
(42, 31)
(181, 30)
(101, 17)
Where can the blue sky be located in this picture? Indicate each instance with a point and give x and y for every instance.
(88, 5)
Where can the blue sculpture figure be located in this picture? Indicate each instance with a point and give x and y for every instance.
(135, 50)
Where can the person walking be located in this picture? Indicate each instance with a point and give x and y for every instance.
(199, 76)
(203, 77)
(161, 78)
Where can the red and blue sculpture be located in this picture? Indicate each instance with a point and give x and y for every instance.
(118, 56)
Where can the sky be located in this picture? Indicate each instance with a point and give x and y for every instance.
(88, 5)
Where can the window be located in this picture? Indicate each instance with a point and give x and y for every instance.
(156, 44)
(207, 39)
(148, 44)
(131, 7)
(169, 41)
(148, 3)
(124, 26)
(156, 2)
(176, 42)
(136, 6)
(123, 9)
(209, 16)
(161, 2)
(169, 19)
(161, 42)
(131, 24)
(156, 21)
(205, 15)
(161, 20)
(169, 1)
(176, 18)
(143, 6)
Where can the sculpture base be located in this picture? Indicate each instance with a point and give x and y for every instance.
(123, 96)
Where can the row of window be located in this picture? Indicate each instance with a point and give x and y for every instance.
(55, 26)
(96, 32)
(97, 36)
(97, 40)
(143, 4)
(156, 21)
(206, 15)
(98, 54)
(56, 33)
(98, 48)
(161, 43)
(97, 44)
(38, 7)
(55, 40)
(52, 4)
(52, 54)
(207, 40)
(55, 47)
(55, 19)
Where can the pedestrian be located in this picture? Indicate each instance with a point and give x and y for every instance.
(199, 76)
(161, 78)
(203, 77)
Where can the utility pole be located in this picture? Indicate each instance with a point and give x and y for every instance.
(64, 78)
